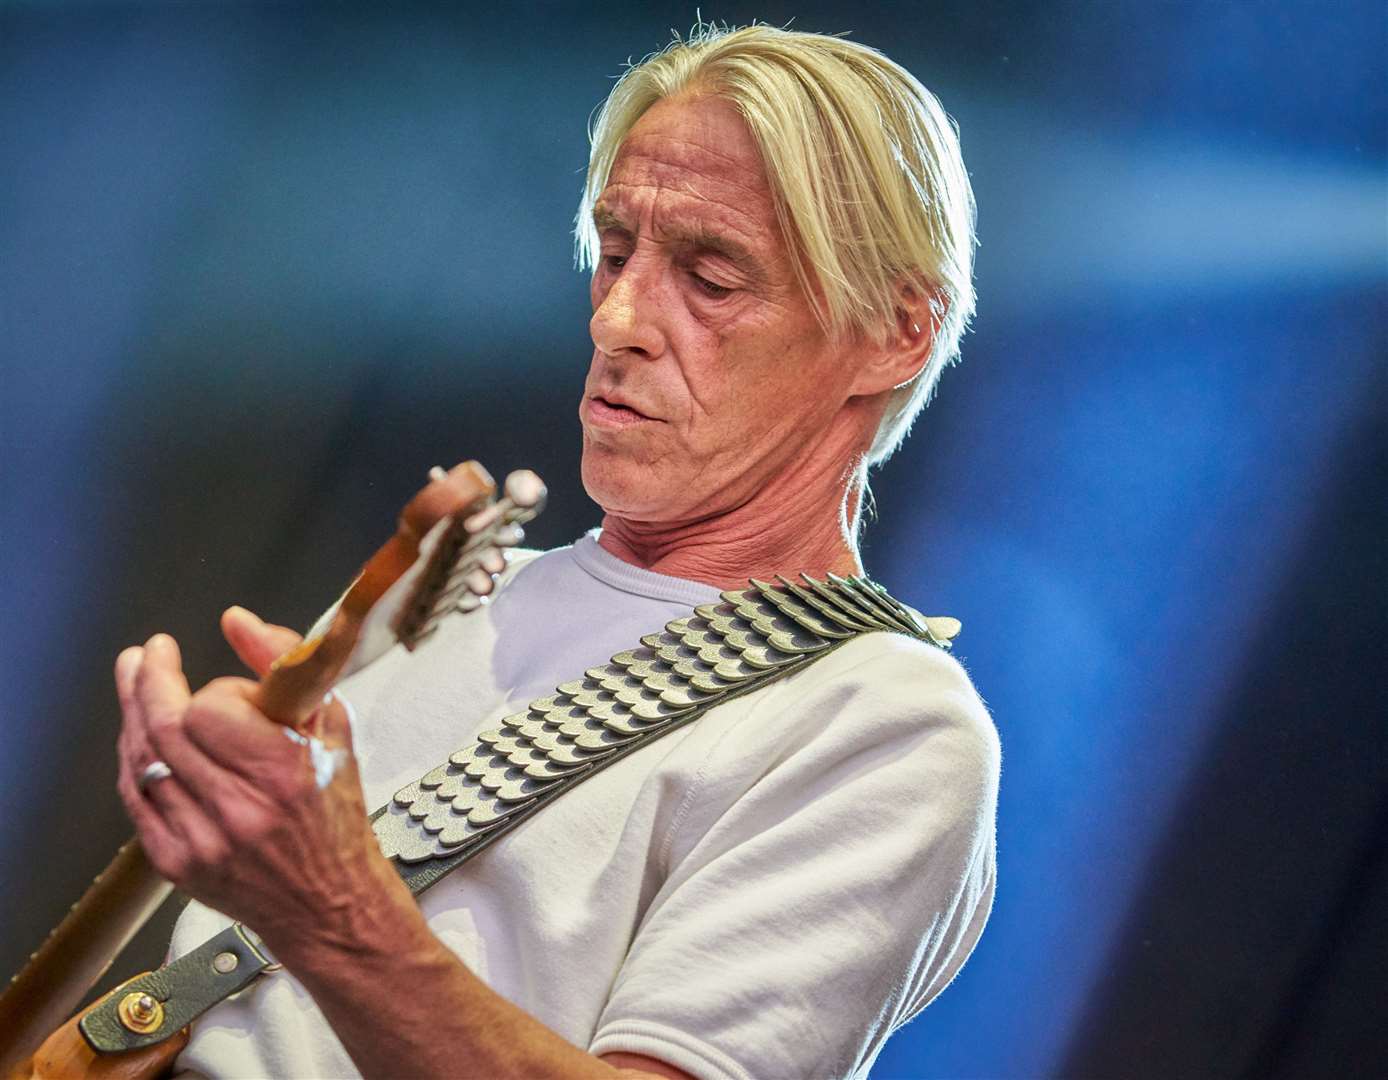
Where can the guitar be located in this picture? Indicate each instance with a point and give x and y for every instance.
(448, 542)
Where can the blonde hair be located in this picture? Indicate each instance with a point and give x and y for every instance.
(865, 171)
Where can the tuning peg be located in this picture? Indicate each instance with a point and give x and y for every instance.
(523, 497)
(526, 490)
(479, 581)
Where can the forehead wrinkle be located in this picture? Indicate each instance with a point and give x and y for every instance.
(734, 185)
(680, 220)
(664, 153)
(690, 161)
(682, 224)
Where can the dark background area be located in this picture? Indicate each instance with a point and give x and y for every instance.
(261, 266)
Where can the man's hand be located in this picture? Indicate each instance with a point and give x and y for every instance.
(241, 823)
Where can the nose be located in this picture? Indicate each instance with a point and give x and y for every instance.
(626, 320)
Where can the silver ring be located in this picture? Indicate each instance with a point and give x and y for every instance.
(155, 770)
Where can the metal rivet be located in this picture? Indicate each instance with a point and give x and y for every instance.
(140, 1013)
(225, 962)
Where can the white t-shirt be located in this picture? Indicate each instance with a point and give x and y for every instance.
(765, 893)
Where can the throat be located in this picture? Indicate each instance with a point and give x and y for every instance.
(725, 551)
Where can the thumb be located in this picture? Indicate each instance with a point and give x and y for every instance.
(258, 643)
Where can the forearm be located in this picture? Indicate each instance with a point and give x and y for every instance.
(402, 1003)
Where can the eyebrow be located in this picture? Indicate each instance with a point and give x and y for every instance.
(696, 234)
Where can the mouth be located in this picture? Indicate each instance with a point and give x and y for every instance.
(611, 412)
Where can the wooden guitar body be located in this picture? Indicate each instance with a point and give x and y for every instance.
(65, 1055)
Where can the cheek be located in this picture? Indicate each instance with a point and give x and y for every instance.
(773, 411)
(751, 392)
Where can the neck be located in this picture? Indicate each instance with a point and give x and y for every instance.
(797, 523)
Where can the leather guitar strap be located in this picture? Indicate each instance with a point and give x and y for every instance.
(513, 771)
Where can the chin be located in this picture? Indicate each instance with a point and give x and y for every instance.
(621, 485)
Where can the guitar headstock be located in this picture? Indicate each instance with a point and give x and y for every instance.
(465, 553)
(449, 544)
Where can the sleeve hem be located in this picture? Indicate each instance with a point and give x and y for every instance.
(677, 1048)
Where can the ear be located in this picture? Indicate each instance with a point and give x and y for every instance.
(896, 361)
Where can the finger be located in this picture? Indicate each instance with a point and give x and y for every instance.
(257, 643)
(160, 696)
(163, 845)
(131, 745)
(196, 824)
(160, 686)
(151, 677)
(127, 668)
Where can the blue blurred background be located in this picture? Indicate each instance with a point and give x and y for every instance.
(261, 266)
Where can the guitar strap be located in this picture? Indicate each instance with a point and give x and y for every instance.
(511, 772)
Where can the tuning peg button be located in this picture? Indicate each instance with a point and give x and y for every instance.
(479, 581)
(525, 489)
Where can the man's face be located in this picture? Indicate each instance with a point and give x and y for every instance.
(711, 377)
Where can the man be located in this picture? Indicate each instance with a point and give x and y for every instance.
(780, 232)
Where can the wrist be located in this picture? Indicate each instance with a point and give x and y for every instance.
(371, 921)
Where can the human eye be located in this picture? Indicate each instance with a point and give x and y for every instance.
(710, 288)
(614, 261)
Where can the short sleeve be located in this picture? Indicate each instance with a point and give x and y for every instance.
(833, 872)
